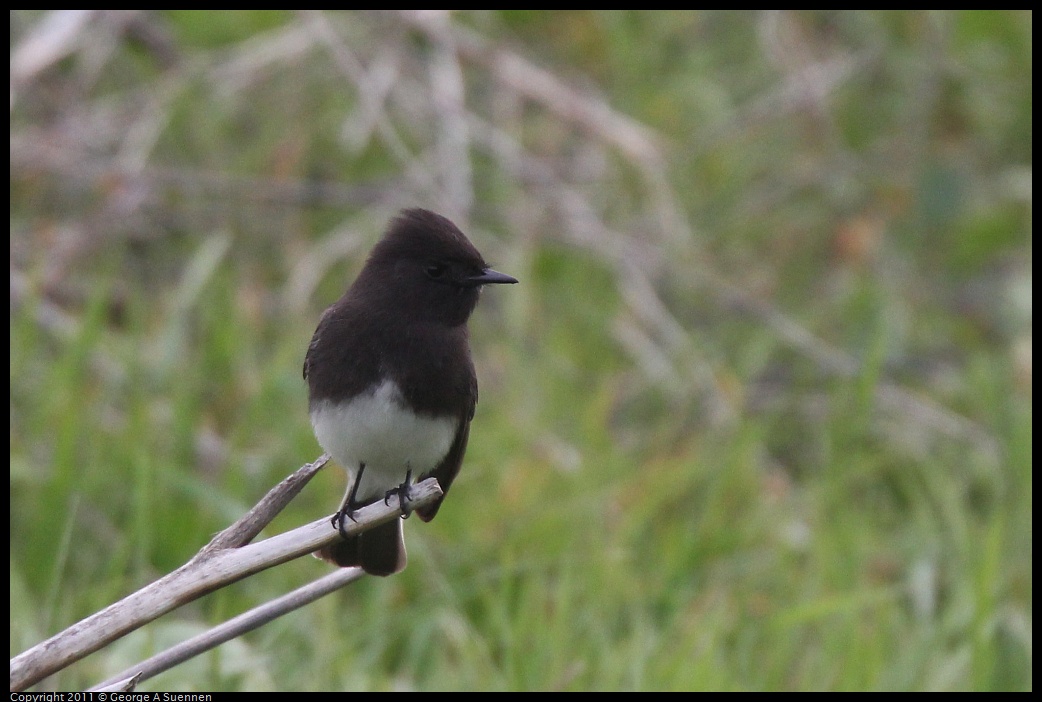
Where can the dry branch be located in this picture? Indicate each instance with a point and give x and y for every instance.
(226, 559)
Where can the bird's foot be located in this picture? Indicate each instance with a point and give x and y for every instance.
(338, 519)
(404, 493)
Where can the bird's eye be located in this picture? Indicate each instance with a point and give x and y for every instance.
(436, 270)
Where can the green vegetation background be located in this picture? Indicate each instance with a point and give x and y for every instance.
(757, 417)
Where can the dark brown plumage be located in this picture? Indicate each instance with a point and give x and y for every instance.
(392, 387)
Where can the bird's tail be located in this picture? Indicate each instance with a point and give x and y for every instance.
(378, 551)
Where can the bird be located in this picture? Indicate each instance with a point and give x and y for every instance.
(392, 388)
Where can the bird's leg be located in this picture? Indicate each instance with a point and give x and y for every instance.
(349, 505)
(403, 492)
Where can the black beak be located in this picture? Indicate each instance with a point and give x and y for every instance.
(489, 276)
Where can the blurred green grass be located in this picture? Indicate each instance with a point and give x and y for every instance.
(653, 508)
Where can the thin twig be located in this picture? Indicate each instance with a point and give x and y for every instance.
(247, 621)
(250, 524)
(210, 569)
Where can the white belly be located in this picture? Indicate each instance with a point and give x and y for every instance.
(376, 429)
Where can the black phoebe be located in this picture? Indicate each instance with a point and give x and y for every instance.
(391, 384)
